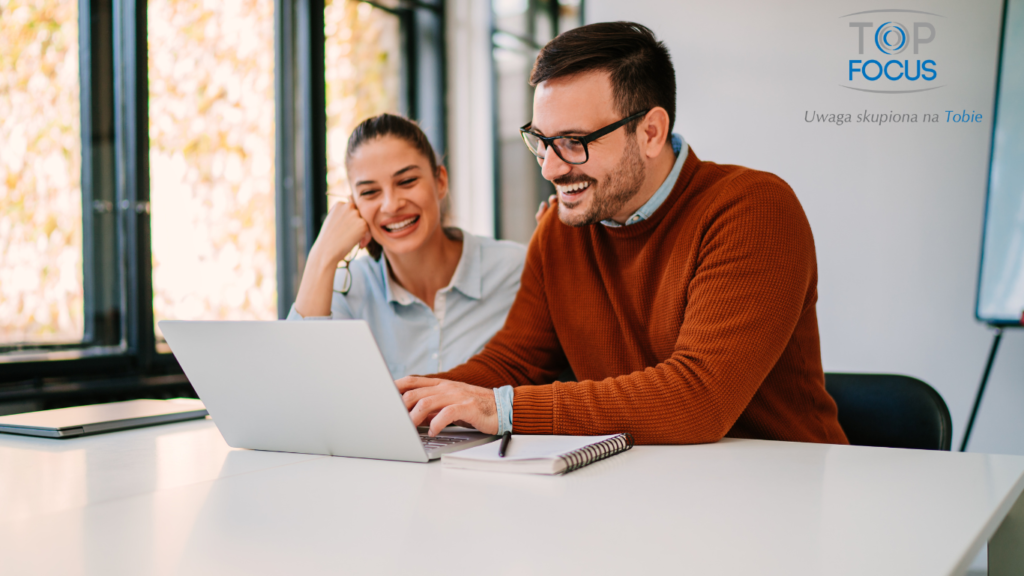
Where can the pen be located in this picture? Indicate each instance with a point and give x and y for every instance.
(504, 444)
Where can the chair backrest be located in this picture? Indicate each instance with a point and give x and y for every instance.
(891, 411)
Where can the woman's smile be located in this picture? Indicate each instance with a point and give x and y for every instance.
(400, 226)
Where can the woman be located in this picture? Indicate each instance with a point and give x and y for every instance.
(433, 295)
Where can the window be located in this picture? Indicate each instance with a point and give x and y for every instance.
(172, 159)
(41, 284)
(211, 159)
(60, 282)
(521, 28)
(363, 53)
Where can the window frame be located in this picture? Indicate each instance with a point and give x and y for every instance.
(117, 257)
(102, 234)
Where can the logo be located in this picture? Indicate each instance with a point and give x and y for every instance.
(891, 38)
(898, 62)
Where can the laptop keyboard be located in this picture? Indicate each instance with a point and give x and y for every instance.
(441, 441)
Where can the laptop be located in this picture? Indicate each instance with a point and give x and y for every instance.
(84, 420)
(306, 387)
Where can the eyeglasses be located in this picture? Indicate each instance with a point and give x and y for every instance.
(571, 149)
(346, 284)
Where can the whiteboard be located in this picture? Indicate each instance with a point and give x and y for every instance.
(1001, 278)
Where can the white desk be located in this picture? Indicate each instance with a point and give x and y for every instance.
(175, 499)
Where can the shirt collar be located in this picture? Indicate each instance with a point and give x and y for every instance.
(681, 150)
(467, 279)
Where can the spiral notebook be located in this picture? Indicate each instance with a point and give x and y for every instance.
(528, 454)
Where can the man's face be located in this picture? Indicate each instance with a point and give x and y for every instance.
(597, 190)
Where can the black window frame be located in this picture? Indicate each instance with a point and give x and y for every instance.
(119, 357)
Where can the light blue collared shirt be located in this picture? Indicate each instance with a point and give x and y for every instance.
(504, 396)
(417, 340)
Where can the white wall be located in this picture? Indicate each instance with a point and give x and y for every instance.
(896, 209)
(471, 150)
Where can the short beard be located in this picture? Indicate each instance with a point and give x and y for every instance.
(608, 197)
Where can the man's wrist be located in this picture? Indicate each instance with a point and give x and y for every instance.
(503, 400)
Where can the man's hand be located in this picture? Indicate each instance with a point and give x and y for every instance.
(443, 402)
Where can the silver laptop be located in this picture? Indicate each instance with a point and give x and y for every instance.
(308, 387)
(82, 420)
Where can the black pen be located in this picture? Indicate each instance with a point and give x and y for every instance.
(504, 444)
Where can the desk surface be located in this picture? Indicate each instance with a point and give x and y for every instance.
(175, 499)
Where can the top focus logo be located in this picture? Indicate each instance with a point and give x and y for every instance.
(897, 61)
(891, 38)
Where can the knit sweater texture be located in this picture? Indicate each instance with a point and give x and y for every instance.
(695, 324)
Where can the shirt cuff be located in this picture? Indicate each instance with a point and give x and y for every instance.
(503, 401)
(293, 314)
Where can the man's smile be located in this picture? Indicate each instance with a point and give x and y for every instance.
(575, 188)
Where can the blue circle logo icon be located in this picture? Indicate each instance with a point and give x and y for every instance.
(891, 38)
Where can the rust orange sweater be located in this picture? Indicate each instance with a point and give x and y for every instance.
(695, 324)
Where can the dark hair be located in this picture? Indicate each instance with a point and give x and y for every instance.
(397, 127)
(641, 69)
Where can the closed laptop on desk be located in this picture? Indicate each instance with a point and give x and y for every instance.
(81, 420)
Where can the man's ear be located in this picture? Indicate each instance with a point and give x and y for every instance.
(654, 132)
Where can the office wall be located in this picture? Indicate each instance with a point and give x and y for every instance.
(896, 208)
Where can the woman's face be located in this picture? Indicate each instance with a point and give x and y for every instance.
(396, 193)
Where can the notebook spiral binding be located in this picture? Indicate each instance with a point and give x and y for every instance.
(596, 452)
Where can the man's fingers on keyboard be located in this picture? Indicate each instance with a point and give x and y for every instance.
(429, 403)
(413, 382)
(422, 408)
(449, 415)
(414, 395)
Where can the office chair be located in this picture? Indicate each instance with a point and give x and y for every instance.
(890, 411)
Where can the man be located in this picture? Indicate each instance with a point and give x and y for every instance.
(681, 293)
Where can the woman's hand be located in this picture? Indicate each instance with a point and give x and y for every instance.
(545, 206)
(342, 230)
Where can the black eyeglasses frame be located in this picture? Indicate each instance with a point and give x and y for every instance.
(584, 140)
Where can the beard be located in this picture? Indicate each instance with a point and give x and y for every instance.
(609, 196)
